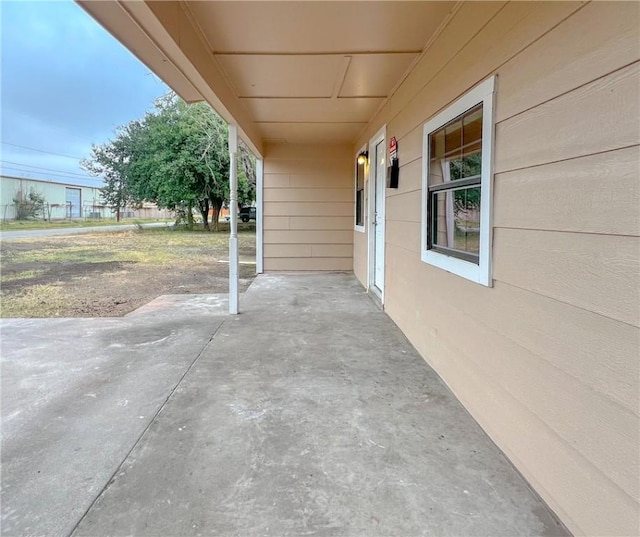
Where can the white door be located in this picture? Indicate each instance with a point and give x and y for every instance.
(378, 214)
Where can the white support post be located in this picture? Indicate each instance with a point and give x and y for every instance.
(259, 215)
(233, 209)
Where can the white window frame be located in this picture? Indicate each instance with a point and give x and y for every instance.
(483, 93)
(362, 228)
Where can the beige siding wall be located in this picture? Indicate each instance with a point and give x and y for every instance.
(547, 359)
(308, 208)
(360, 254)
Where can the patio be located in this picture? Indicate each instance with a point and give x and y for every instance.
(308, 414)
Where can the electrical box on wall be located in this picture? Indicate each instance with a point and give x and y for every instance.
(393, 170)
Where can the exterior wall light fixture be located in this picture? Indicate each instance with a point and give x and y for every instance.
(363, 157)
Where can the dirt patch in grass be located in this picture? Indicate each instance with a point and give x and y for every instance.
(112, 274)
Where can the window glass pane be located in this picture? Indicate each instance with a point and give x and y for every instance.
(359, 194)
(359, 176)
(466, 167)
(456, 149)
(436, 154)
(472, 130)
(455, 219)
(453, 137)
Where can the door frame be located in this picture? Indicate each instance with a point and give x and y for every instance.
(380, 136)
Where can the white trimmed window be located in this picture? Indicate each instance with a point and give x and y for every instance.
(361, 163)
(456, 186)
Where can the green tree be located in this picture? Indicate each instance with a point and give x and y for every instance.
(246, 175)
(177, 157)
(111, 162)
(181, 160)
(467, 166)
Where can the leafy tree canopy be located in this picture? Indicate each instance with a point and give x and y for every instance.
(110, 161)
(175, 156)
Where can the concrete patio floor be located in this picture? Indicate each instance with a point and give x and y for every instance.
(308, 414)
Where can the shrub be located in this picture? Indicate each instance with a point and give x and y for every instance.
(29, 206)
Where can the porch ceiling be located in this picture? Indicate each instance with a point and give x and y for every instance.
(287, 72)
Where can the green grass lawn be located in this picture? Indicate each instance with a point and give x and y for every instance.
(110, 273)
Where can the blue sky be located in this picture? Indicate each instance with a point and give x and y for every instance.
(65, 84)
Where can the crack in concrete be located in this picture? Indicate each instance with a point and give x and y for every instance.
(144, 432)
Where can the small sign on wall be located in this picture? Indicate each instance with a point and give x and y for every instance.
(393, 171)
(393, 148)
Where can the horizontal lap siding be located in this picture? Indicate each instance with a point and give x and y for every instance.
(360, 256)
(604, 438)
(308, 208)
(547, 359)
(307, 222)
(597, 117)
(594, 272)
(570, 195)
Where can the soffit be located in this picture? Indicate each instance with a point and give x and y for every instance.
(357, 110)
(314, 71)
(281, 76)
(371, 75)
(309, 133)
(317, 26)
(294, 72)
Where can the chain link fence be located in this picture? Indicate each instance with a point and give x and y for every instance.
(68, 211)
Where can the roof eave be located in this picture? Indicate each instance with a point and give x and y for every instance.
(172, 50)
